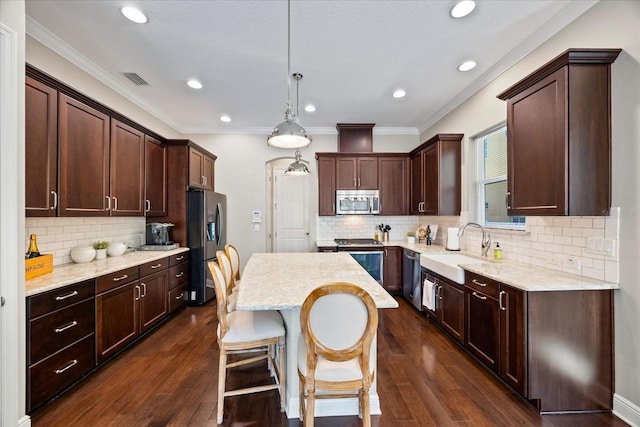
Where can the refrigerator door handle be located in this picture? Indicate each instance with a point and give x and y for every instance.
(220, 224)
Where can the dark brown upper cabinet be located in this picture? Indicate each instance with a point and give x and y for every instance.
(326, 185)
(355, 137)
(155, 181)
(559, 136)
(83, 144)
(357, 173)
(393, 183)
(41, 149)
(201, 169)
(126, 170)
(436, 176)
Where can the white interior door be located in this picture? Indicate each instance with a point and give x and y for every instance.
(290, 212)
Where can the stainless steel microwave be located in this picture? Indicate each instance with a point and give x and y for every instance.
(357, 202)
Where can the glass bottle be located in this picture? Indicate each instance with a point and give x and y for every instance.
(33, 251)
(428, 235)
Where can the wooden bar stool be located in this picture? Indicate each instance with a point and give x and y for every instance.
(248, 333)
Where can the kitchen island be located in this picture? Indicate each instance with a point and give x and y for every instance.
(282, 282)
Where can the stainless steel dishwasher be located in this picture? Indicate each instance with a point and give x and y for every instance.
(411, 278)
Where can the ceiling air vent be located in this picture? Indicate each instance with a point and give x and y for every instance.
(136, 79)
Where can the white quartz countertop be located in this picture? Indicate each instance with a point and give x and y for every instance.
(519, 275)
(67, 274)
(531, 278)
(282, 281)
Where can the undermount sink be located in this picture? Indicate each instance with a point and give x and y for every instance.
(448, 265)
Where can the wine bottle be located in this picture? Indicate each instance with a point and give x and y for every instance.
(33, 251)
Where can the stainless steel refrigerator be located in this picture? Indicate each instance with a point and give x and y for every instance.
(206, 234)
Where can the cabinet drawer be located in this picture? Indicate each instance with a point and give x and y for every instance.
(110, 281)
(178, 258)
(59, 298)
(54, 373)
(50, 333)
(481, 284)
(178, 274)
(154, 266)
(178, 297)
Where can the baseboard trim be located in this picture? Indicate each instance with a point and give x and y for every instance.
(626, 410)
(24, 421)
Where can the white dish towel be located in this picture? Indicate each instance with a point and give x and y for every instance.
(429, 294)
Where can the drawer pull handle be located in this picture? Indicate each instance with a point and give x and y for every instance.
(478, 283)
(65, 327)
(156, 266)
(180, 258)
(69, 295)
(479, 296)
(68, 366)
(117, 279)
(180, 296)
(180, 274)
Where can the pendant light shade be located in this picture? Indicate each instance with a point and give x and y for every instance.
(290, 134)
(297, 168)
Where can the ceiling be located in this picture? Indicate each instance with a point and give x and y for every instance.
(352, 54)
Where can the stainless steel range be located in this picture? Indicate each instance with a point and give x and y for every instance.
(367, 252)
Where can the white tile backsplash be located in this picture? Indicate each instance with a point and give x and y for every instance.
(58, 236)
(548, 241)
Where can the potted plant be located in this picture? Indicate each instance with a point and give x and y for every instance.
(101, 248)
(411, 237)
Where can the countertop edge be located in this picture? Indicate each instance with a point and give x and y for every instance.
(68, 274)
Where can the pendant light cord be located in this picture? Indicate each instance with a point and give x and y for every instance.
(288, 54)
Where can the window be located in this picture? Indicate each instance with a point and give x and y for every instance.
(492, 181)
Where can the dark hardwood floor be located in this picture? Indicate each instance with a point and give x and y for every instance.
(170, 378)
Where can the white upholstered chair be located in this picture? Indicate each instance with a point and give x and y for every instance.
(334, 360)
(251, 336)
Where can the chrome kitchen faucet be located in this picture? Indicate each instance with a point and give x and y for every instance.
(486, 237)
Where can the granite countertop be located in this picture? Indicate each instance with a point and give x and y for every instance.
(282, 281)
(67, 274)
(522, 276)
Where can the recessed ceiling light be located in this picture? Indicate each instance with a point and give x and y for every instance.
(463, 8)
(194, 84)
(133, 14)
(310, 108)
(467, 65)
(225, 118)
(399, 93)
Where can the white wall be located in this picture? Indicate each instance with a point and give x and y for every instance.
(12, 315)
(609, 24)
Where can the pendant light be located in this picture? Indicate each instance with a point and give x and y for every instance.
(297, 168)
(289, 134)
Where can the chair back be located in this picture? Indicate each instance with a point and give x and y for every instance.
(221, 296)
(234, 257)
(323, 317)
(225, 266)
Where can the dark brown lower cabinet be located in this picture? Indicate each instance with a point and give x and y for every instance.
(60, 340)
(116, 319)
(513, 335)
(553, 347)
(392, 269)
(449, 305)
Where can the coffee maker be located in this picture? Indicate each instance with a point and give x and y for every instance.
(158, 233)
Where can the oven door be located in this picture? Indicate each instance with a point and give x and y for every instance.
(371, 261)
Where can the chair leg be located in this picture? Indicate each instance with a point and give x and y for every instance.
(310, 412)
(270, 356)
(222, 375)
(282, 372)
(366, 415)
